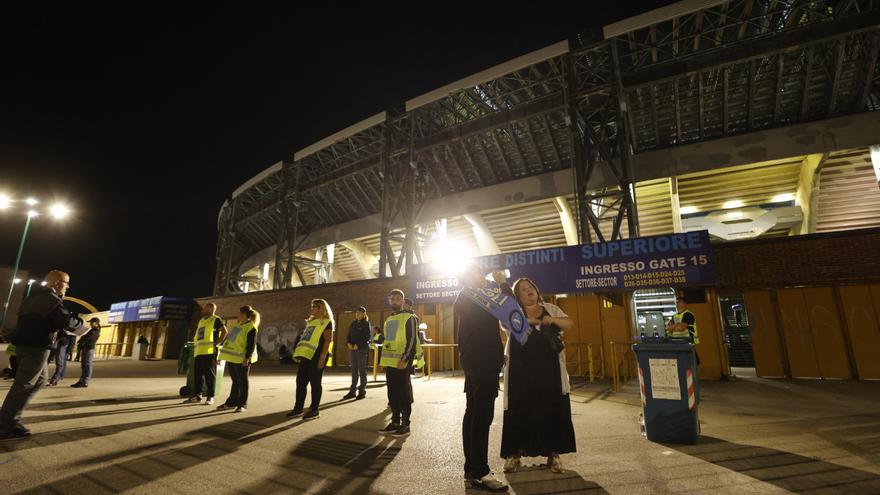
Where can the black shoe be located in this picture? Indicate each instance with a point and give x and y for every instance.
(360, 396)
(224, 406)
(294, 413)
(79, 385)
(310, 415)
(391, 428)
(52, 383)
(20, 428)
(401, 432)
(348, 396)
(13, 434)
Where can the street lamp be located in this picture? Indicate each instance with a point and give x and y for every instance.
(30, 284)
(58, 211)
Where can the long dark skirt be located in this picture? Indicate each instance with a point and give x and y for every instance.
(537, 422)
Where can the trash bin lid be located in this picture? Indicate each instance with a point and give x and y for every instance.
(661, 347)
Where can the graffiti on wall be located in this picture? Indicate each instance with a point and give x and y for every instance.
(271, 338)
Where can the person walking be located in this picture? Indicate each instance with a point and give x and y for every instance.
(41, 317)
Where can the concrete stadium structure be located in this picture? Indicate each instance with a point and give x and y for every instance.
(751, 119)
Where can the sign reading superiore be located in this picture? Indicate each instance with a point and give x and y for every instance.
(645, 262)
(630, 264)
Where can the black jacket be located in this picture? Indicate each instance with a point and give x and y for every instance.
(40, 318)
(90, 338)
(359, 334)
(479, 337)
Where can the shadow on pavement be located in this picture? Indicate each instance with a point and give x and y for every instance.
(786, 470)
(542, 481)
(56, 406)
(146, 463)
(348, 459)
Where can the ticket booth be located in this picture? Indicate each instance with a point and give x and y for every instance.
(162, 321)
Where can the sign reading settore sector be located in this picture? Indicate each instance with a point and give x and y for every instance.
(673, 260)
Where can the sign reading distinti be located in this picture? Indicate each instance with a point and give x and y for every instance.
(672, 260)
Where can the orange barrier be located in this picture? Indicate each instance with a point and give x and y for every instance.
(621, 356)
(580, 349)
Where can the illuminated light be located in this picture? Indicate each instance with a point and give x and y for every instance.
(16, 280)
(31, 202)
(31, 281)
(734, 215)
(33, 213)
(5, 201)
(782, 198)
(875, 160)
(265, 271)
(43, 283)
(331, 252)
(450, 256)
(59, 211)
(733, 204)
(687, 210)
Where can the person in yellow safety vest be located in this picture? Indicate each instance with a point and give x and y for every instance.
(400, 349)
(13, 361)
(683, 324)
(239, 350)
(313, 353)
(210, 331)
(420, 358)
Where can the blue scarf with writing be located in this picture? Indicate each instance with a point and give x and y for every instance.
(503, 308)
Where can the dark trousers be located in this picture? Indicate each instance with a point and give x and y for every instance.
(309, 375)
(60, 362)
(205, 373)
(359, 358)
(238, 396)
(481, 392)
(13, 366)
(32, 374)
(88, 358)
(399, 394)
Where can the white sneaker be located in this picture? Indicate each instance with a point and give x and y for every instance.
(209, 401)
(487, 483)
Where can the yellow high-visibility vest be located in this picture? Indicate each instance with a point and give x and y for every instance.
(235, 345)
(676, 318)
(204, 338)
(311, 338)
(395, 342)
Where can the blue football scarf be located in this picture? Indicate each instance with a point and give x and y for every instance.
(504, 308)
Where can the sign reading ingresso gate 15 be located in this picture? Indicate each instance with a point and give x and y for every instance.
(672, 260)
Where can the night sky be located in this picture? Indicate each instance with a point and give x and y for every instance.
(146, 122)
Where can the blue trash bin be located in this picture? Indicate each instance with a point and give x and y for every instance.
(669, 387)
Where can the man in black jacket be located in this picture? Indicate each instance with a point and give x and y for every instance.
(359, 345)
(41, 317)
(87, 352)
(482, 356)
